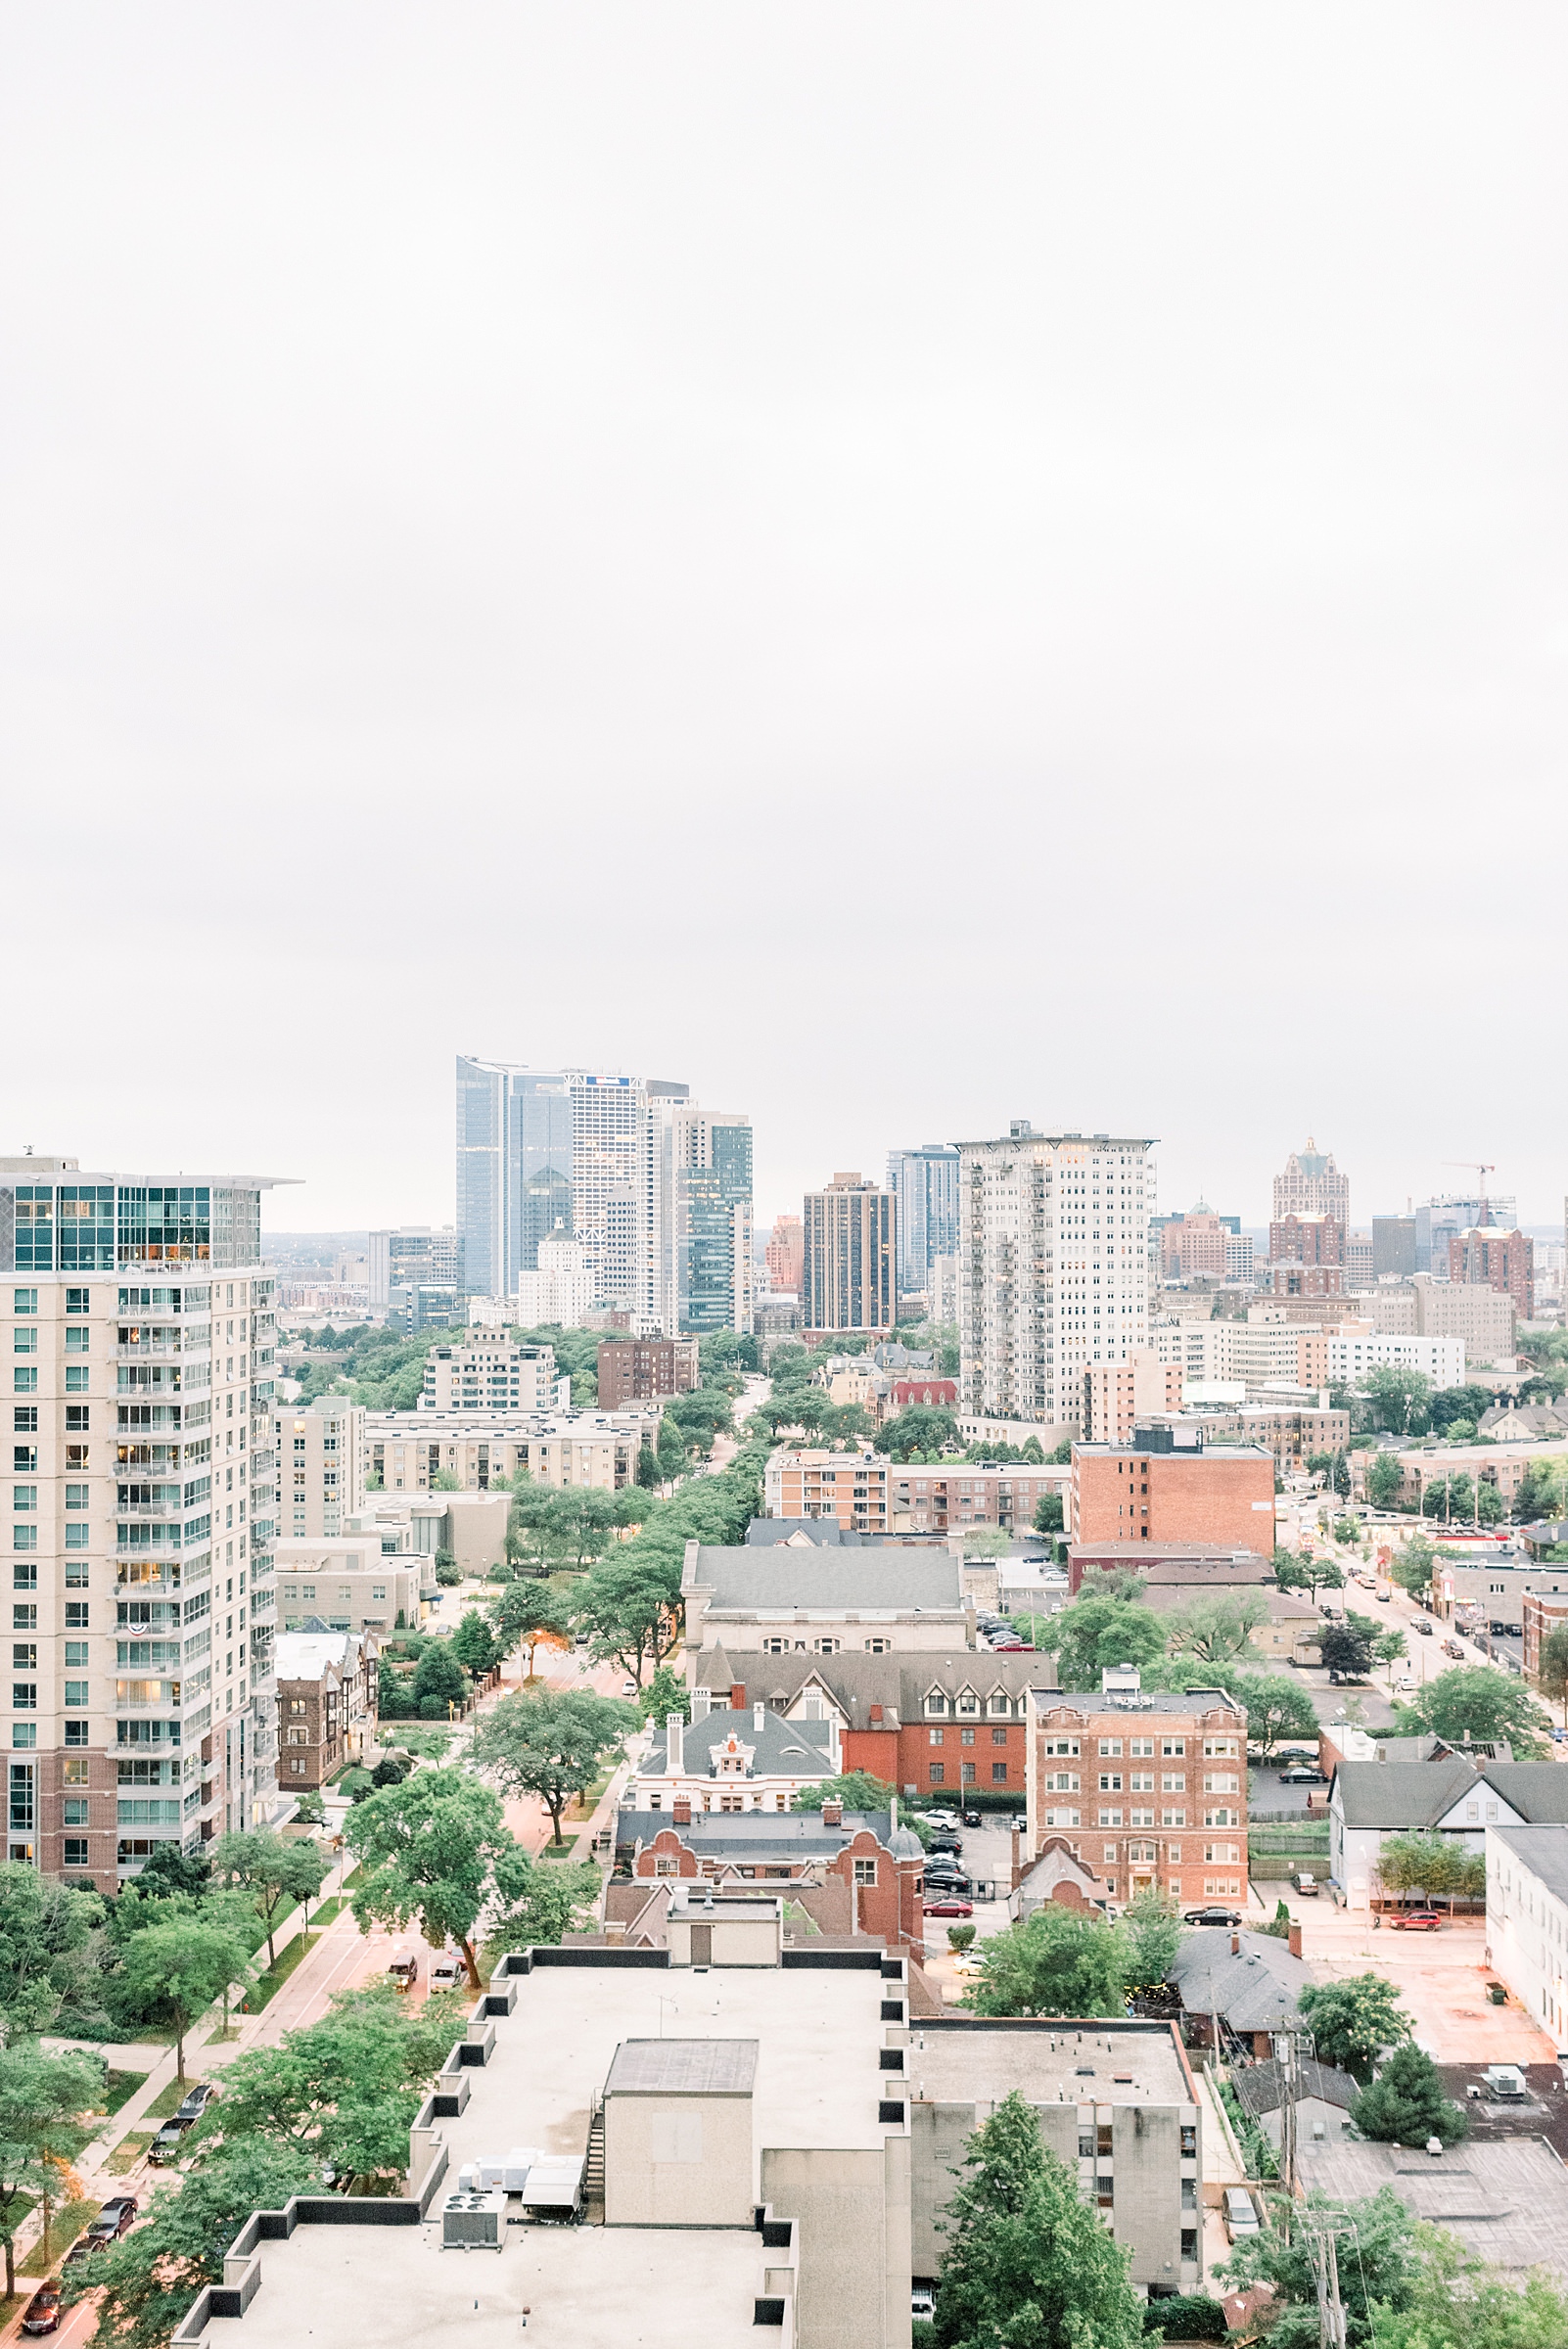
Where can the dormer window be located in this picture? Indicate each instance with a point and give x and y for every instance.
(937, 1705)
(968, 1703)
(1001, 1705)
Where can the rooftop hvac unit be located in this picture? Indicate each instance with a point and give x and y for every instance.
(474, 2223)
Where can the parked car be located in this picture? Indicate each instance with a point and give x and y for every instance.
(1405, 1683)
(1305, 1883)
(1423, 1626)
(114, 2219)
(949, 1904)
(941, 1818)
(197, 2103)
(1302, 1773)
(404, 1972)
(959, 1887)
(922, 2302)
(1211, 1917)
(971, 1819)
(43, 2309)
(1240, 2213)
(945, 1840)
(1383, 1598)
(166, 2143)
(446, 1973)
(1420, 1921)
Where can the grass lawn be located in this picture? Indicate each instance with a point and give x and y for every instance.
(265, 1984)
(221, 2038)
(118, 2090)
(128, 2152)
(560, 1851)
(64, 2226)
(166, 2104)
(326, 1913)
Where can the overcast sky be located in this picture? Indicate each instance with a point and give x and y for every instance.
(908, 566)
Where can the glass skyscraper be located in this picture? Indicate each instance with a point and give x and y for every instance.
(925, 1184)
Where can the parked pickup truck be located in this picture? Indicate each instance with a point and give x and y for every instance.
(404, 1972)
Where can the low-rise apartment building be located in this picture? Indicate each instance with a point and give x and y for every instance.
(1527, 1919)
(643, 1370)
(1370, 1801)
(494, 1375)
(1423, 1466)
(1354, 1349)
(1259, 1351)
(1167, 1485)
(1487, 1592)
(321, 1465)
(353, 1583)
(325, 1704)
(407, 1451)
(786, 1601)
(1149, 1788)
(869, 1494)
(1118, 1395)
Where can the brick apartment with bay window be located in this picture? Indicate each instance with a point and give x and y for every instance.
(924, 1724)
(1149, 1790)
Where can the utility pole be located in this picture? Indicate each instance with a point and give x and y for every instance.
(1324, 2255)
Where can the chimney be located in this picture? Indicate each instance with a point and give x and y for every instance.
(1295, 1937)
(832, 1812)
(681, 1814)
(737, 1696)
(1235, 1944)
(674, 1745)
(614, 1931)
(701, 1703)
(759, 1717)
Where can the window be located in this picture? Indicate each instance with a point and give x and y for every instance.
(935, 1736)
(998, 1736)
(966, 1736)
(24, 1619)
(1110, 1818)
(23, 1577)
(25, 1497)
(76, 1811)
(1172, 1782)
(75, 1851)
(24, 1341)
(1059, 1746)
(75, 1301)
(76, 1341)
(76, 1568)
(967, 1774)
(939, 1773)
(865, 1871)
(1109, 1746)
(76, 1535)
(24, 1301)
(935, 1703)
(25, 1419)
(77, 1696)
(76, 1496)
(25, 1460)
(25, 1382)
(1172, 1745)
(998, 1773)
(1001, 1705)
(24, 1537)
(1110, 1781)
(76, 1618)
(23, 1696)
(1141, 1745)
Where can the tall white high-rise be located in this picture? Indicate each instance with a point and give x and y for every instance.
(1053, 1267)
(138, 1319)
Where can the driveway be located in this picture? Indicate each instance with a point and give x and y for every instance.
(1441, 1979)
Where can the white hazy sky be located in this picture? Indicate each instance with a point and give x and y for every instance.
(909, 566)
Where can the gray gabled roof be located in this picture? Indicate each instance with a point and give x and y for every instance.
(1261, 2086)
(752, 1835)
(800, 1749)
(1255, 1990)
(1544, 1851)
(747, 1581)
(1401, 1794)
(1537, 1790)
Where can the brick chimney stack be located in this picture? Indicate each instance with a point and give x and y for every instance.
(681, 1814)
(737, 1696)
(832, 1814)
(1235, 1944)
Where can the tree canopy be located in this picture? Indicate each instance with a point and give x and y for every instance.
(1096, 1633)
(551, 1743)
(1382, 2274)
(1059, 1962)
(1478, 1702)
(435, 1849)
(40, 2097)
(180, 1968)
(1404, 2103)
(1352, 2021)
(1277, 1708)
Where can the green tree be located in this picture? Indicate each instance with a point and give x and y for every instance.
(1058, 1962)
(856, 1789)
(1277, 1708)
(1411, 1565)
(647, 1471)
(629, 1604)
(666, 1693)
(554, 1901)
(1152, 1933)
(1396, 1397)
(671, 1451)
(1452, 2301)
(1216, 1627)
(960, 1937)
(474, 1644)
(273, 1870)
(1347, 1653)
(534, 1532)
(524, 1614)
(147, 2281)
(439, 1682)
(1028, 2262)
(177, 1970)
(1404, 2103)
(1540, 1492)
(1384, 1478)
(1095, 1633)
(40, 2099)
(1551, 1675)
(1300, 1571)
(1455, 1403)
(437, 1850)
(1353, 2020)
(1379, 2276)
(923, 1430)
(47, 1936)
(551, 1744)
(1478, 1702)
(1048, 1513)
(588, 1517)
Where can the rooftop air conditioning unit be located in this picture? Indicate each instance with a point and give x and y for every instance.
(474, 2223)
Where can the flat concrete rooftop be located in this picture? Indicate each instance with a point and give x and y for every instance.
(585, 2288)
(980, 2062)
(1507, 2201)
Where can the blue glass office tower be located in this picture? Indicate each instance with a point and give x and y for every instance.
(925, 1184)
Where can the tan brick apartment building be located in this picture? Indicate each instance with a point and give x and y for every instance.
(867, 1492)
(1490, 1259)
(1149, 1790)
(1167, 1485)
(325, 1704)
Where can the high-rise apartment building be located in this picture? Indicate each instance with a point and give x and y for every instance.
(1312, 1185)
(138, 1319)
(417, 1273)
(560, 1294)
(567, 1154)
(1493, 1259)
(785, 1256)
(850, 1275)
(1053, 1267)
(321, 1466)
(711, 1187)
(924, 1183)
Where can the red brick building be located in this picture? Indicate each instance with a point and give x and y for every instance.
(1167, 1486)
(1489, 1257)
(926, 1724)
(1543, 1611)
(856, 1875)
(641, 1369)
(327, 1683)
(1305, 1280)
(1305, 1240)
(938, 1394)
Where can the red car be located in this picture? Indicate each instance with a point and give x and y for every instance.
(952, 1905)
(43, 2310)
(1420, 1921)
